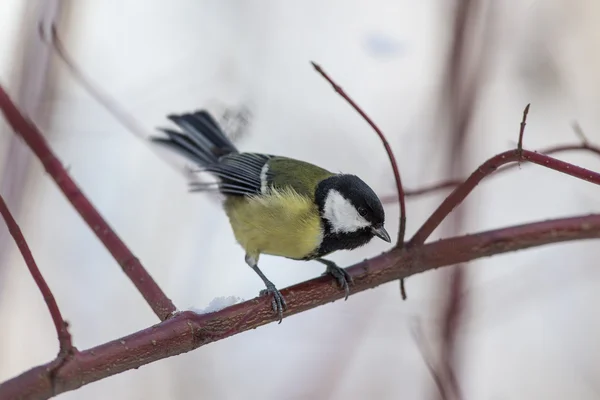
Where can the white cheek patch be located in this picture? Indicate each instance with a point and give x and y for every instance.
(341, 214)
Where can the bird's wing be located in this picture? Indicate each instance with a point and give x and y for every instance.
(248, 174)
(238, 173)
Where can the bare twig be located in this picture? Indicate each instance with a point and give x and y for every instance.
(453, 183)
(111, 105)
(522, 129)
(580, 134)
(426, 353)
(452, 317)
(55, 44)
(388, 149)
(487, 168)
(64, 337)
(403, 289)
(32, 94)
(160, 303)
(187, 330)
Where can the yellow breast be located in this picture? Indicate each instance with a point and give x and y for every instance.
(281, 223)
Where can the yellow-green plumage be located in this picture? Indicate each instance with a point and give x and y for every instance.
(298, 175)
(284, 221)
(281, 223)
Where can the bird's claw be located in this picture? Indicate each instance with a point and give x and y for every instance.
(344, 279)
(277, 302)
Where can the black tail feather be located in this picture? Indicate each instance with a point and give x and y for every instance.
(185, 146)
(204, 122)
(201, 140)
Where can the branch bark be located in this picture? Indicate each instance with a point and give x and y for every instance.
(187, 331)
(388, 149)
(453, 183)
(488, 167)
(155, 297)
(64, 337)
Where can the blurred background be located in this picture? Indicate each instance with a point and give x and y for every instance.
(445, 80)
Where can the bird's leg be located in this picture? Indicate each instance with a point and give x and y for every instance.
(278, 302)
(344, 279)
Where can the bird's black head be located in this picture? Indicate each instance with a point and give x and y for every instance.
(351, 212)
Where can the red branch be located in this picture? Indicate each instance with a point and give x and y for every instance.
(64, 337)
(522, 129)
(388, 149)
(488, 167)
(187, 330)
(453, 183)
(160, 303)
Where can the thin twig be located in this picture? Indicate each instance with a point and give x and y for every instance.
(112, 106)
(388, 149)
(522, 129)
(487, 168)
(187, 330)
(155, 297)
(55, 44)
(580, 134)
(427, 355)
(452, 318)
(403, 289)
(62, 331)
(453, 183)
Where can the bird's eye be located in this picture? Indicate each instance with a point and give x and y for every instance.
(362, 211)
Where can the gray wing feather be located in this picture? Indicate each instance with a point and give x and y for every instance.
(239, 173)
(203, 142)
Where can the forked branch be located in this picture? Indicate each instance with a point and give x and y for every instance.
(453, 183)
(160, 303)
(486, 169)
(187, 331)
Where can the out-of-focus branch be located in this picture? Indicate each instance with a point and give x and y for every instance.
(187, 331)
(49, 35)
(453, 183)
(426, 353)
(33, 94)
(64, 337)
(487, 168)
(55, 44)
(462, 88)
(160, 303)
(388, 149)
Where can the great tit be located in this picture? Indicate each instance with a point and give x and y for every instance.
(277, 205)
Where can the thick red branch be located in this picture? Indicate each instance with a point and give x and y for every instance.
(388, 149)
(487, 168)
(160, 303)
(187, 331)
(64, 337)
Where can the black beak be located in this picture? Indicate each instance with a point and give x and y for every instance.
(382, 234)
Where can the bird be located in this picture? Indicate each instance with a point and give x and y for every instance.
(277, 205)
